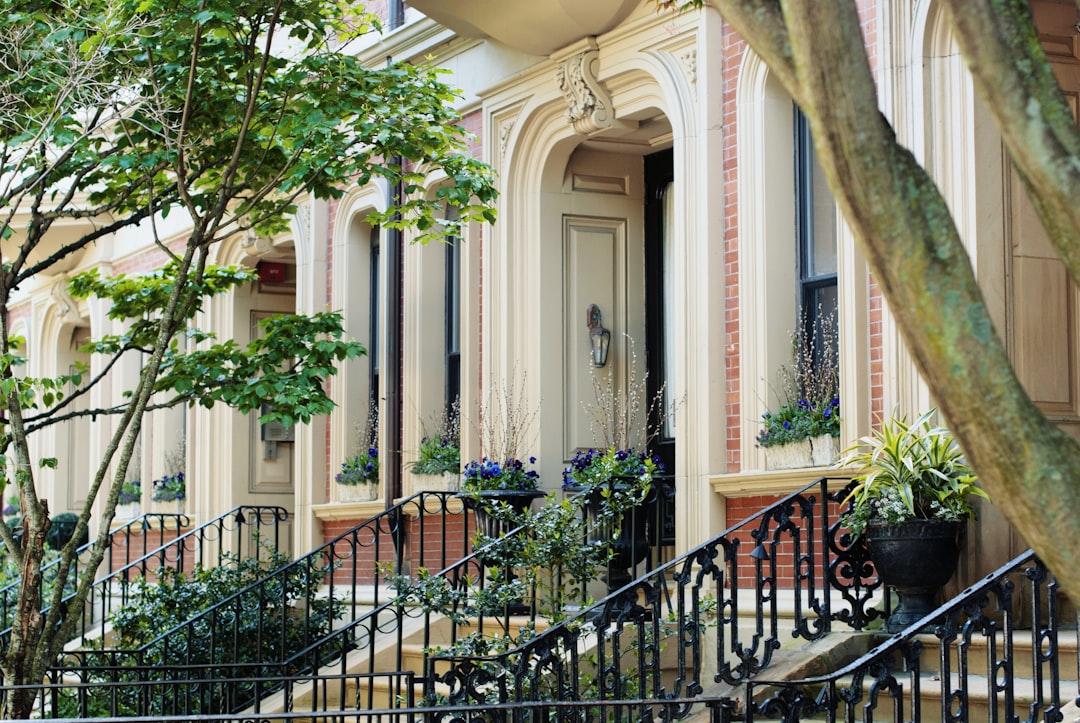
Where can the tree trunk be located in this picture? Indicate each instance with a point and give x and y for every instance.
(903, 226)
(18, 663)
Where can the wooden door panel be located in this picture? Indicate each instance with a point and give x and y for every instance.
(1045, 354)
(1044, 299)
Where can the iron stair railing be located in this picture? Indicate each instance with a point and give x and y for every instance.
(120, 539)
(647, 641)
(832, 585)
(795, 543)
(353, 646)
(996, 652)
(368, 551)
(244, 531)
(222, 639)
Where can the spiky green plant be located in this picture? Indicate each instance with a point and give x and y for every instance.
(908, 472)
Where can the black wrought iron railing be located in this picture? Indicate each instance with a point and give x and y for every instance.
(701, 631)
(648, 642)
(710, 616)
(143, 546)
(266, 631)
(138, 533)
(1002, 650)
(355, 623)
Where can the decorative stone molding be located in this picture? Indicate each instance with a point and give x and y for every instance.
(67, 310)
(255, 245)
(505, 130)
(590, 109)
(689, 61)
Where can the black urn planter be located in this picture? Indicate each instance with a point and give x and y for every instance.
(915, 558)
(630, 544)
(483, 505)
(494, 525)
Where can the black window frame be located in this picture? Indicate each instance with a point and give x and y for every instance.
(811, 286)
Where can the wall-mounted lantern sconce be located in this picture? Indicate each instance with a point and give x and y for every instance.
(599, 337)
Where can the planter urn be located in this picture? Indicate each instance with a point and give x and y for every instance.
(488, 521)
(364, 492)
(630, 542)
(916, 558)
(491, 523)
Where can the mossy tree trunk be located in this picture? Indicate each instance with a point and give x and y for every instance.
(911, 243)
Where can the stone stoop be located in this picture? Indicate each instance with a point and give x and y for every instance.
(795, 661)
(980, 676)
(377, 691)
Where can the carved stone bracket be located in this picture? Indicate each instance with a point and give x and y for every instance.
(67, 309)
(590, 109)
(689, 61)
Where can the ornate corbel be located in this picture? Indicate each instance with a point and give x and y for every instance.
(590, 109)
(67, 309)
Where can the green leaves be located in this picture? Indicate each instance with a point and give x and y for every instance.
(909, 471)
(285, 367)
(146, 296)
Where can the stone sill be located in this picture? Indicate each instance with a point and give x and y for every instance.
(773, 481)
(368, 509)
(348, 510)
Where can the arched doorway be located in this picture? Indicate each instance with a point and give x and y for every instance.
(614, 209)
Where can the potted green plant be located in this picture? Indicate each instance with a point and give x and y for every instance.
(500, 480)
(358, 479)
(486, 484)
(912, 496)
(615, 478)
(615, 483)
(804, 428)
(128, 505)
(171, 488)
(438, 466)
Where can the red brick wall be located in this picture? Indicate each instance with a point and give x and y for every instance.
(128, 548)
(441, 547)
(734, 49)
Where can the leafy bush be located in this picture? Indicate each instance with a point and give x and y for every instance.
(284, 614)
(361, 468)
(907, 472)
(809, 386)
(437, 455)
(490, 474)
(593, 467)
(170, 487)
(130, 493)
(799, 419)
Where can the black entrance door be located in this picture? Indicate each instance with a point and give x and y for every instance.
(659, 199)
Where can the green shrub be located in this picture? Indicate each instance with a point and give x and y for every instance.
(286, 605)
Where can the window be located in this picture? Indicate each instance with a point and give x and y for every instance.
(816, 256)
(453, 318)
(373, 306)
(396, 14)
